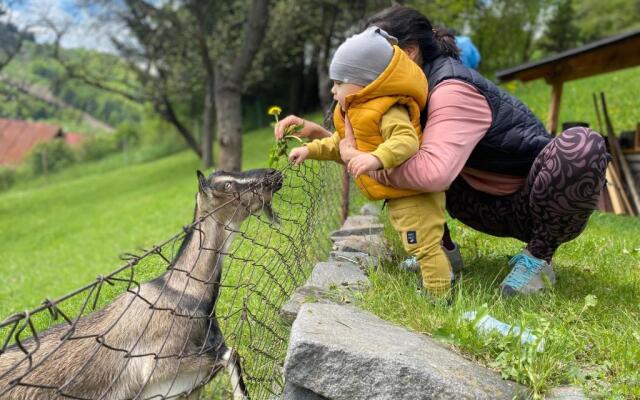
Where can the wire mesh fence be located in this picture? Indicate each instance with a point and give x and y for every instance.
(211, 305)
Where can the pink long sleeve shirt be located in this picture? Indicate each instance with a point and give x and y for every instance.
(458, 117)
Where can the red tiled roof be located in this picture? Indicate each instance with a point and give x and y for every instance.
(18, 137)
(74, 139)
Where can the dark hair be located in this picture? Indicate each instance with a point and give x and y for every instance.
(409, 26)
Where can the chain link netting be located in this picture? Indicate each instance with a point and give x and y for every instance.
(167, 322)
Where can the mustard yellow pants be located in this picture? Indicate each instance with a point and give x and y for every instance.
(420, 221)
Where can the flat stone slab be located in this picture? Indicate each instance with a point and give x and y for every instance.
(369, 244)
(361, 259)
(360, 225)
(566, 393)
(293, 392)
(369, 209)
(356, 221)
(342, 353)
(303, 294)
(330, 275)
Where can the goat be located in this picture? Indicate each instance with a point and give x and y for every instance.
(161, 340)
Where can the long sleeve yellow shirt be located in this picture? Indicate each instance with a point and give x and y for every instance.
(400, 141)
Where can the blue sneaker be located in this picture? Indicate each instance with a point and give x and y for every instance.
(528, 275)
(547, 269)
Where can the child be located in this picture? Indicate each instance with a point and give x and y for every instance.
(380, 93)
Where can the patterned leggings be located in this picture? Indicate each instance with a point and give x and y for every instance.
(553, 207)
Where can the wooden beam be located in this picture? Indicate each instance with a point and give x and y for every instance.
(604, 58)
(554, 108)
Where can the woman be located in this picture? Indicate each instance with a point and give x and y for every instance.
(503, 173)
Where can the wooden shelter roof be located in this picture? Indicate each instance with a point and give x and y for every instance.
(606, 55)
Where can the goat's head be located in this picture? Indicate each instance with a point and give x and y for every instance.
(232, 196)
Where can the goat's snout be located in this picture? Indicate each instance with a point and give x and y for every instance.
(273, 179)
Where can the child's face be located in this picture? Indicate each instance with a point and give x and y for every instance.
(341, 90)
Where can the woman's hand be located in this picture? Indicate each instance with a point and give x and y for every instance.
(309, 130)
(362, 163)
(298, 155)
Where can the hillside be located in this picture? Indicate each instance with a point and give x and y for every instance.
(36, 88)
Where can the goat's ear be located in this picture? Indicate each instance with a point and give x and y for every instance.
(202, 182)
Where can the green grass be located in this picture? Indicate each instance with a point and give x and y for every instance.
(589, 321)
(621, 89)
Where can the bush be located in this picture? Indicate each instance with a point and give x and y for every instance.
(7, 177)
(127, 135)
(50, 156)
(98, 147)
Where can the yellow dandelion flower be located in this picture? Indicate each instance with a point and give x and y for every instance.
(274, 110)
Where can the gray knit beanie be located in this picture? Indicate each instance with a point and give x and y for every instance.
(362, 57)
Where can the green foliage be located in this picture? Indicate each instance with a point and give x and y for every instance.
(562, 30)
(7, 177)
(50, 156)
(36, 66)
(98, 147)
(281, 147)
(597, 19)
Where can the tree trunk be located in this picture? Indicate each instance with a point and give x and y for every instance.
(229, 120)
(324, 85)
(228, 79)
(207, 126)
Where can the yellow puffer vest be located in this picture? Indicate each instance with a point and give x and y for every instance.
(402, 82)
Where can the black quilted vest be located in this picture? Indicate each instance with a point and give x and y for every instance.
(515, 136)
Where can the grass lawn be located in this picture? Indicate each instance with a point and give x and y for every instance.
(590, 322)
(621, 89)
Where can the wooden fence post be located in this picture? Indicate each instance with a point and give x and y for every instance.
(345, 193)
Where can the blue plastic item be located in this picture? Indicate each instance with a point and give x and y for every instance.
(488, 324)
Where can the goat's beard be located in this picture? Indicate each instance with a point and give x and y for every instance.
(268, 210)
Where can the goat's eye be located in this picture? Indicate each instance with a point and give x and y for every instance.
(227, 186)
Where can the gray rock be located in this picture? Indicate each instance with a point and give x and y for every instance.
(330, 275)
(357, 221)
(343, 353)
(293, 392)
(369, 209)
(303, 294)
(363, 230)
(362, 259)
(359, 225)
(566, 393)
(370, 244)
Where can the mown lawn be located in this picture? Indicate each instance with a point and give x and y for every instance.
(590, 322)
(59, 235)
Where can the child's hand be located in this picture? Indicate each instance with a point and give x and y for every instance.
(348, 151)
(298, 155)
(363, 163)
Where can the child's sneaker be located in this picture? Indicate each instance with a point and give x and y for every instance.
(410, 264)
(528, 275)
(454, 256)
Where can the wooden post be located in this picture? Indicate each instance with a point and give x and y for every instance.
(554, 109)
(616, 152)
(345, 193)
